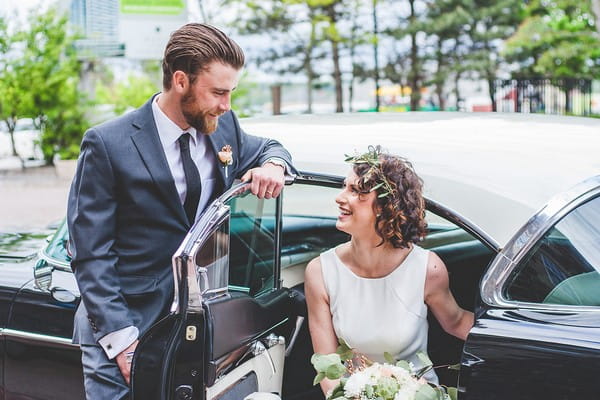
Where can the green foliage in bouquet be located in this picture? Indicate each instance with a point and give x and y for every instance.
(361, 378)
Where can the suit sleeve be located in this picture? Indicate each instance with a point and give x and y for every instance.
(91, 217)
(255, 150)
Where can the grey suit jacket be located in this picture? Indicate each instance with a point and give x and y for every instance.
(125, 218)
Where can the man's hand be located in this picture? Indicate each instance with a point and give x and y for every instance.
(123, 360)
(267, 181)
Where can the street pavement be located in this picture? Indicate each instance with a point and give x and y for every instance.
(31, 199)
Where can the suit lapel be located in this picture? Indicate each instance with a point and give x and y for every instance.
(149, 147)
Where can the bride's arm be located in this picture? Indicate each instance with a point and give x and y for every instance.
(455, 320)
(320, 323)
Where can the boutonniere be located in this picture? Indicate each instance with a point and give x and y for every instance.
(226, 157)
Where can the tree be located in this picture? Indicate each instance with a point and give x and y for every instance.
(406, 66)
(128, 94)
(13, 100)
(39, 80)
(490, 23)
(444, 23)
(557, 40)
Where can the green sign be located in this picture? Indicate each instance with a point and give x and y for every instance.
(171, 7)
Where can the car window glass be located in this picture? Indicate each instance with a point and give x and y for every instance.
(563, 267)
(308, 228)
(252, 244)
(57, 248)
(212, 261)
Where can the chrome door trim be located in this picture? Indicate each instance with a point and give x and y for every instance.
(38, 337)
(462, 222)
(560, 205)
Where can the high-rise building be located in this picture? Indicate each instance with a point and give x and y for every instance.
(98, 23)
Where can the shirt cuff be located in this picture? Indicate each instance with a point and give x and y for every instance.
(117, 341)
(280, 161)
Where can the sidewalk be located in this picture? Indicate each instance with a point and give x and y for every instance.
(31, 199)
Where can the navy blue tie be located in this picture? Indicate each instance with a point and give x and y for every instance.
(192, 178)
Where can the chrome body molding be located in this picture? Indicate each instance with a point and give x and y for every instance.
(60, 265)
(559, 206)
(37, 337)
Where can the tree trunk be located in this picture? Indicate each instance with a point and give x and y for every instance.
(12, 143)
(308, 63)
(335, 54)
(415, 95)
(337, 77)
(376, 57)
(457, 89)
(492, 90)
(439, 82)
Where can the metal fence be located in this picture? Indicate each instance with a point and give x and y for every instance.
(546, 96)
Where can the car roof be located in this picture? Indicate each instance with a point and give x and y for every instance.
(495, 169)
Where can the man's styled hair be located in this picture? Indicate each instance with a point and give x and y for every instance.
(193, 47)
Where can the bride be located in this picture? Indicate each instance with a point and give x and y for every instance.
(374, 291)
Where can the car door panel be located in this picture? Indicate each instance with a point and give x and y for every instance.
(253, 318)
(524, 345)
(220, 339)
(509, 354)
(38, 344)
(259, 373)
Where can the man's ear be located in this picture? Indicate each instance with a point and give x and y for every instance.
(180, 82)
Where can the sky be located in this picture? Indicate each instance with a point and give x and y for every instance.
(7, 7)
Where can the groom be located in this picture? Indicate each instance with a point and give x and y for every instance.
(141, 182)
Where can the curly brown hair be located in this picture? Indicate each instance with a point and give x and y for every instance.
(399, 205)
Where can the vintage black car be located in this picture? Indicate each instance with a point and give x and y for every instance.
(513, 210)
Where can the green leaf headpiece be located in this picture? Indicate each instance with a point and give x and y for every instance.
(375, 172)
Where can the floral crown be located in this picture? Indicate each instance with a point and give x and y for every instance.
(375, 172)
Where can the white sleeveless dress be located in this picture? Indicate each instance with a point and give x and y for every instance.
(377, 315)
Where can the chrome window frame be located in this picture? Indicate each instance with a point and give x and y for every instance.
(217, 212)
(495, 279)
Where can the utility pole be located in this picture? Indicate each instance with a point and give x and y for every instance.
(376, 55)
(202, 12)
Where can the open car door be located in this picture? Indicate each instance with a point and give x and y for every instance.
(224, 337)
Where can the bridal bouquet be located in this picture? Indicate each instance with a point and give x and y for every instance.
(363, 379)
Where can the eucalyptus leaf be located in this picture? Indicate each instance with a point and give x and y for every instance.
(404, 365)
(322, 362)
(389, 358)
(320, 376)
(424, 358)
(344, 351)
(426, 392)
(452, 392)
(335, 371)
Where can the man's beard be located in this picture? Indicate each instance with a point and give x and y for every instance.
(198, 119)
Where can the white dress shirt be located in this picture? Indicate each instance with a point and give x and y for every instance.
(204, 158)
